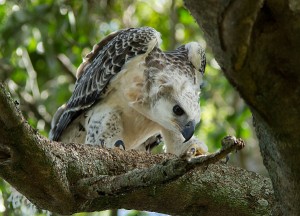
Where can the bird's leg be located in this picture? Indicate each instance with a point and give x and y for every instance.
(105, 129)
(175, 144)
(194, 148)
(151, 142)
(172, 142)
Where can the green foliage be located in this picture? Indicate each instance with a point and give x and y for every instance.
(43, 41)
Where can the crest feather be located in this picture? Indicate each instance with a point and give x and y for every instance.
(196, 56)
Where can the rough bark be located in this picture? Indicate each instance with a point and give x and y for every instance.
(256, 43)
(69, 178)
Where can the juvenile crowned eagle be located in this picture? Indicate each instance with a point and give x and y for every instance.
(128, 90)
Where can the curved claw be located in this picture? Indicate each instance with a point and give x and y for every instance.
(119, 143)
(227, 159)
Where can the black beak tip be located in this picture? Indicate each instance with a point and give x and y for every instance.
(188, 131)
(187, 139)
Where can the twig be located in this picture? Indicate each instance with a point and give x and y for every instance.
(32, 75)
(229, 144)
(67, 66)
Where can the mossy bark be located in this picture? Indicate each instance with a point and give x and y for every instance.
(256, 43)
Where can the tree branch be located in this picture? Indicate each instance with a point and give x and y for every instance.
(69, 178)
(163, 172)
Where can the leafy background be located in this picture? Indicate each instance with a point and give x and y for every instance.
(42, 42)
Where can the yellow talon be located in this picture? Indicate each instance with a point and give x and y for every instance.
(195, 149)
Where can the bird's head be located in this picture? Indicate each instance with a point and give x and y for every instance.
(170, 95)
(175, 106)
(172, 100)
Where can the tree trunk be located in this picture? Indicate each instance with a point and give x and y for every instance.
(257, 44)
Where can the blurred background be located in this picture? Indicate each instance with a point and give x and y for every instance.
(42, 42)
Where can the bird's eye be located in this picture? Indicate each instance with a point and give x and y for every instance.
(178, 110)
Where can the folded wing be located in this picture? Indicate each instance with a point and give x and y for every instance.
(101, 65)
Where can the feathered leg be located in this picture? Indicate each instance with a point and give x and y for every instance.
(175, 144)
(105, 128)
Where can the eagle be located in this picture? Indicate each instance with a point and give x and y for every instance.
(128, 91)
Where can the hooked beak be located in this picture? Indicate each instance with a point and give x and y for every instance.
(188, 130)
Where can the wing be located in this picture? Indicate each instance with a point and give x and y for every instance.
(102, 64)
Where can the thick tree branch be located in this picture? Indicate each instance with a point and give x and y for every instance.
(68, 178)
(165, 171)
(256, 43)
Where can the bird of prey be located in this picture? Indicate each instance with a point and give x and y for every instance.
(129, 90)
